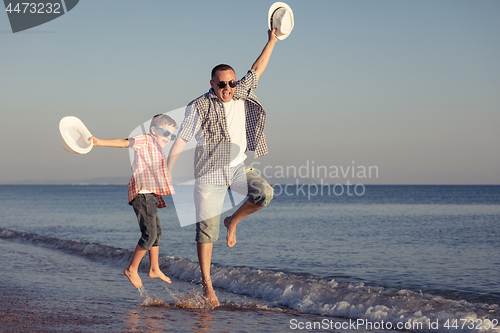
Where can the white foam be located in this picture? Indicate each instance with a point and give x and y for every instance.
(334, 299)
(313, 295)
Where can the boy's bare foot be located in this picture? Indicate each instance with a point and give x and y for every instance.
(133, 277)
(231, 232)
(157, 273)
(212, 300)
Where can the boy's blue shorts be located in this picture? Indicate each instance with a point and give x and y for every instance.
(146, 209)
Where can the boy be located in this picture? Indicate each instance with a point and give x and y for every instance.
(149, 182)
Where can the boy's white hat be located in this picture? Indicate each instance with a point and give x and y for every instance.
(280, 16)
(75, 136)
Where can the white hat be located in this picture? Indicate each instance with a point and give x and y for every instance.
(280, 16)
(75, 136)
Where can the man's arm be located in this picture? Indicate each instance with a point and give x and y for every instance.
(117, 143)
(261, 63)
(174, 153)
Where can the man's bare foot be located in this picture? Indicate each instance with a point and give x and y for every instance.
(157, 273)
(231, 232)
(212, 300)
(133, 277)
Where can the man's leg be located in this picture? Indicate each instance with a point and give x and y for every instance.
(259, 192)
(231, 221)
(209, 200)
(205, 258)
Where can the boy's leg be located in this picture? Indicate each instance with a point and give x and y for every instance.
(154, 252)
(145, 208)
(131, 272)
(154, 268)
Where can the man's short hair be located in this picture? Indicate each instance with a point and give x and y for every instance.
(221, 67)
(162, 119)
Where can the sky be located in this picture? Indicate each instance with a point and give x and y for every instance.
(408, 88)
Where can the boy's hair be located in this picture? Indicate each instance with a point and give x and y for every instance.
(221, 67)
(162, 119)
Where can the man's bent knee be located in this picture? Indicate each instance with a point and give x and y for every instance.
(263, 196)
(260, 192)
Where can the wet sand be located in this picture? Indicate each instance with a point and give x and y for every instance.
(45, 290)
(23, 310)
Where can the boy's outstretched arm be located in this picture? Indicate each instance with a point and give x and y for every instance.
(117, 143)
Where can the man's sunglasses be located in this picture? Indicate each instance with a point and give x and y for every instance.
(223, 84)
(167, 133)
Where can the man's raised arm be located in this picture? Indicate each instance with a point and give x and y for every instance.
(261, 63)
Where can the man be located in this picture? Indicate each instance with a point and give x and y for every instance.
(226, 122)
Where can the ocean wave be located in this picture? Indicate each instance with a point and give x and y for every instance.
(308, 294)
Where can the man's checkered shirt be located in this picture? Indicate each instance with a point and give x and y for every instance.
(205, 121)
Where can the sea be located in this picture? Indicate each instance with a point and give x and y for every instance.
(409, 258)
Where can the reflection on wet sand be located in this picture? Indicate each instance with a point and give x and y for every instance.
(152, 315)
(204, 321)
(145, 322)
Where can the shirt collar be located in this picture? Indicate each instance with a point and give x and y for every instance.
(155, 140)
(211, 93)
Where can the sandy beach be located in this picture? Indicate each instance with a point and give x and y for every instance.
(73, 294)
(24, 310)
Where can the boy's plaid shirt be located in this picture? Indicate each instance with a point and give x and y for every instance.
(205, 121)
(149, 169)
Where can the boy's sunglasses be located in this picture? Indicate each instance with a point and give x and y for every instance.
(167, 133)
(222, 84)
